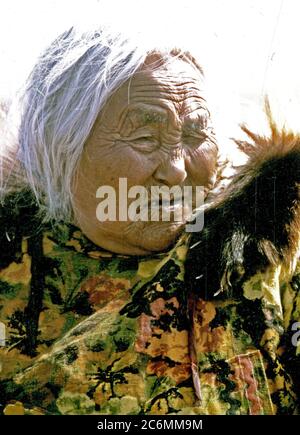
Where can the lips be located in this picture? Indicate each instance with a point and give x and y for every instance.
(172, 203)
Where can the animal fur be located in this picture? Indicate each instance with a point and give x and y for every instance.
(256, 221)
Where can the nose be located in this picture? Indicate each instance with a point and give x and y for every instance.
(172, 171)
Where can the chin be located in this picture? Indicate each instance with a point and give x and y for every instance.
(158, 236)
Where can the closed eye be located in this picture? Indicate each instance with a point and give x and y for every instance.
(143, 139)
(146, 144)
(194, 140)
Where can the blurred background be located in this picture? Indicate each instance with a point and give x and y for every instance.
(247, 48)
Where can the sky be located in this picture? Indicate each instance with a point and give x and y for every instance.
(247, 48)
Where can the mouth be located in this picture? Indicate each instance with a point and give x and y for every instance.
(171, 203)
(172, 207)
(173, 211)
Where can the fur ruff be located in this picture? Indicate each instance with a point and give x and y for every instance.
(255, 222)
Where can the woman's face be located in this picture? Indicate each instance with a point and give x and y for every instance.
(154, 131)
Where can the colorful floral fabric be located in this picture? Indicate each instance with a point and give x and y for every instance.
(90, 332)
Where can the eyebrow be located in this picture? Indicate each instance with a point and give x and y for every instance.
(148, 116)
(139, 116)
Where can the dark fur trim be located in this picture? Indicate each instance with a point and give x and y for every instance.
(18, 219)
(256, 222)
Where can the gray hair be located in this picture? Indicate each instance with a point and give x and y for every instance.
(63, 96)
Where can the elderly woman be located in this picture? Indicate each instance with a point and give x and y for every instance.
(127, 316)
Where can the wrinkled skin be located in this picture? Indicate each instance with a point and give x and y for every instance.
(155, 130)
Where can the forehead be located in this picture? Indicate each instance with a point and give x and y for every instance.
(174, 88)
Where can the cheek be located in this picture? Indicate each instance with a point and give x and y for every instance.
(138, 167)
(120, 160)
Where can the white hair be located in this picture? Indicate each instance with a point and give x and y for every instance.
(62, 98)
